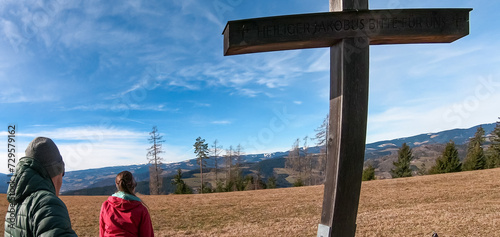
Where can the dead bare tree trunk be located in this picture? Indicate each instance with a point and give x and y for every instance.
(155, 179)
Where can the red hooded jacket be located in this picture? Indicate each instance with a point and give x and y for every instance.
(124, 215)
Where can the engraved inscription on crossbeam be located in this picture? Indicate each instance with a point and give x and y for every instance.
(399, 26)
(370, 24)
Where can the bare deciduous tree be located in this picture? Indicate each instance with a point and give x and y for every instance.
(216, 150)
(322, 141)
(294, 161)
(155, 170)
(228, 163)
(308, 161)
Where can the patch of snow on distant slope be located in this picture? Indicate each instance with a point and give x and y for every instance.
(387, 144)
(420, 143)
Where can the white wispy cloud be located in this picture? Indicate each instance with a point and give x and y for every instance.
(273, 71)
(91, 146)
(322, 63)
(89, 154)
(262, 72)
(135, 121)
(86, 146)
(89, 33)
(272, 82)
(247, 92)
(286, 63)
(17, 95)
(412, 120)
(142, 84)
(85, 155)
(121, 107)
(199, 104)
(180, 83)
(91, 133)
(7, 99)
(10, 32)
(191, 7)
(99, 146)
(222, 122)
(446, 53)
(42, 125)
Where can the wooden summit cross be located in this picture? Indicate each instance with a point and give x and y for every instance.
(348, 29)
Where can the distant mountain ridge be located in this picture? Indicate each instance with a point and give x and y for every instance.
(459, 135)
(101, 177)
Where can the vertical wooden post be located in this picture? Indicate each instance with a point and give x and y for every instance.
(349, 72)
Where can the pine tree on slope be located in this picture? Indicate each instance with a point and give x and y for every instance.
(448, 161)
(402, 165)
(493, 152)
(475, 159)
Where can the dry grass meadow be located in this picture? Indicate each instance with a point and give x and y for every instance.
(459, 204)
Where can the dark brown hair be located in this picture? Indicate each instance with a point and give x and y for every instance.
(125, 182)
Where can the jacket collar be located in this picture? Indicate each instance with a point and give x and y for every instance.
(126, 196)
(30, 176)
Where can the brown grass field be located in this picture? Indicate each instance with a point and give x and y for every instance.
(459, 204)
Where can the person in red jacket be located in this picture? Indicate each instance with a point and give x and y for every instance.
(124, 214)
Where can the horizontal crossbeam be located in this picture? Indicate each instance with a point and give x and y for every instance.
(398, 26)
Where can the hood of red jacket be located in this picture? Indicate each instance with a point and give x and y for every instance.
(122, 204)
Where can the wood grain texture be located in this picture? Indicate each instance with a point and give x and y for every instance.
(399, 26)
(349, 74)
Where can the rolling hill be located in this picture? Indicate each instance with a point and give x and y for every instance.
(426, 148)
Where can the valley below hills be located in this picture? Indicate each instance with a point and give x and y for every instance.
(381, 155)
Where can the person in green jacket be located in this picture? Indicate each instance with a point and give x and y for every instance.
(34, 206)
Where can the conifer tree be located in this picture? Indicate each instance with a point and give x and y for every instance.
(493, 152)
(249, 183)
(475, 159)
(368, 173)
(271, 182)
(402, 165)
(180, 186)
(448, 161)
(201, 151)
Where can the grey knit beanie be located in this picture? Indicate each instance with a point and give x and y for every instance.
(45, 151)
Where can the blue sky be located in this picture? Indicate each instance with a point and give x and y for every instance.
(96, 76)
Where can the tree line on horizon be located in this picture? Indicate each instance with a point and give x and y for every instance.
(305, 168)
(478, 157)
(230, 177)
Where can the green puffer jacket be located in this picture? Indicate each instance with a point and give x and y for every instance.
(34, 208)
